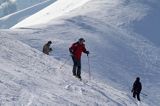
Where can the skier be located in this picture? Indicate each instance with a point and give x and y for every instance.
(76, 50)
(46, 48)
(137, 87)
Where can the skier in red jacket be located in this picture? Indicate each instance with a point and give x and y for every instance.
(76, 51)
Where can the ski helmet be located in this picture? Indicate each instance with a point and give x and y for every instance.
(81, 40)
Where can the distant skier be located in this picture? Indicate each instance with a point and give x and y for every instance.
(76, 50)
(46, 48)
(137, 87)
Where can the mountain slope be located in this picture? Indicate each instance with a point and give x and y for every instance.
(10, 6)
(28, 77)
(118, 55)
(14, 18)
(58, 8)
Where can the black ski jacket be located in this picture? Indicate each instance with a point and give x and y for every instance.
(137, 87)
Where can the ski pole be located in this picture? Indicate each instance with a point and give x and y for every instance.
(64, 63)
(144, 94)
(93, 55)
(89, 71)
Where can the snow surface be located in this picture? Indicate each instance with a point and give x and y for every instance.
(30, 78)
(10, 6)
(22, 4)
(150, 25)
(118, 56)
(59, 8)
(7, 7)
(12, 19)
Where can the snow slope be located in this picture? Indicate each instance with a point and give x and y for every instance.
(22, 4)
(10, 6)
(7, 7)
(59, 8)
(118, 55)
(149, 26)
(14, 18)
(30, 78)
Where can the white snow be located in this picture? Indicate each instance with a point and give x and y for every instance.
(28, 77)
(10, 6)
(14, 18)
(117, 56)
(59, 8)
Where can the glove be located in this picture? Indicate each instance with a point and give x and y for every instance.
(132, 90)
(87, 52)
(50, 49)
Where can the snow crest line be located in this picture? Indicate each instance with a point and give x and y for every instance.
(57, 9)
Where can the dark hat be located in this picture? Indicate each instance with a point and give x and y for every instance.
(81, 39)
(49, 42)
(138, 79)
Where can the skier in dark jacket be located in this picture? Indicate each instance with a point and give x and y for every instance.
(137, 87)
(46, 48)
(76, 51)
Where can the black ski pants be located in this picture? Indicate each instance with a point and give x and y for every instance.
(76, 67)
(136, 94)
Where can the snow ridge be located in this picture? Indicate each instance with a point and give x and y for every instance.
(57, 9)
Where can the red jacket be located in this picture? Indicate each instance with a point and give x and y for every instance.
(76, 49)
